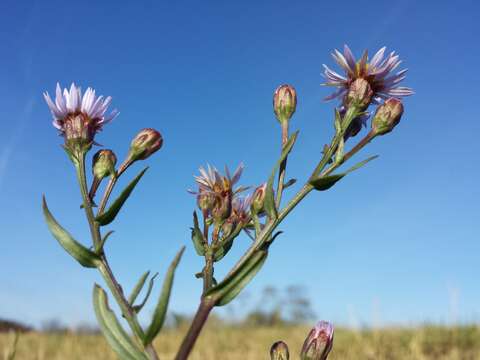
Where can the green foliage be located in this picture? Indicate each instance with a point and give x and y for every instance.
(112, 330)
(161, 308)
(108, 216)
(79, 252)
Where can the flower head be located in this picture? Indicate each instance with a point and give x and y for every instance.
(103, 163)
(216, 192)
(258, 199)
(318, 343)
(79, 117)
(144, 144)
(387, 116)
(284, 102)
(279, 351)
(378, 71)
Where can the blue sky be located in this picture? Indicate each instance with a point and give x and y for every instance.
(396, 242)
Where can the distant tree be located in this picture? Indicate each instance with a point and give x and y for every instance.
(54, 326)
(15, 326)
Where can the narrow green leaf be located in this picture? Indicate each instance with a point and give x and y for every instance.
(138, 287)
(323, 183)
(161, 308)
(139, 307)
(197, 236)
(79, 252)
(360, 164)
(289, 183)
(116, 336)
(229, 288)
(104, 239)
(108, 216)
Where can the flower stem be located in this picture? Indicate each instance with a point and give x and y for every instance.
(104, 268)
(196, 327)
(283, 165)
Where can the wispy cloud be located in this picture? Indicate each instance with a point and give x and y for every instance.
(6, 151)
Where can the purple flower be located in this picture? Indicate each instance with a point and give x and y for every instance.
(79, 117)
(215, 191)
(378, 72)
(318, 343)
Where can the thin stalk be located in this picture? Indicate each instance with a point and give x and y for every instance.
(283, 165)
(104, 267)
(111, 185)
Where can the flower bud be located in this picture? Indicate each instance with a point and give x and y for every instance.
(284, 102)
(258, 199)
(145, 144)
(359, 94)
(205, 200)
(318, 343)
(223, 207)
(387, 116)
(279, 351)
(103, 163)
(79, 132)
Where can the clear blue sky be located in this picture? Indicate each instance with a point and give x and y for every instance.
(397, 241)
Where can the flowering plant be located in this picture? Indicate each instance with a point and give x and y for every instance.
(224, 211)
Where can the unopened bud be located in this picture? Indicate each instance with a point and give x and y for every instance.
(205, 201)
(279, 351)
(359, 94)
(258, 199)
(223, 207)
(318, 343)
(284, 102)
(103, 163)
(387, 116)
(145, 144)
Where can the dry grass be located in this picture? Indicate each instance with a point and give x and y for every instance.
(235, 343)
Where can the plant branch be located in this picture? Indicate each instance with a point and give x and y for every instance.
(196, 326)
(104, 268)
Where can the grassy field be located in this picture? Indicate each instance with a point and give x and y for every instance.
(243, 343)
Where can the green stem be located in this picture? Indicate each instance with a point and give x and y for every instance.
(104, 268)
(111, 185)
(283, 165)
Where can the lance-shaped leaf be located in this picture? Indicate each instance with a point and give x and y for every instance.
(138, 287)
(269, 202)
(231, 286)
(108, 216)
(323, 183)
(197, 236)
(116, 336)
(104, 240)
(140, 306)
(161, 308)
(79, 252)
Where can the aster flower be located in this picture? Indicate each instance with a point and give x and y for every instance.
(241, 209)
(378, 72)
(216, 192)
(318, 343)
(79, 117)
